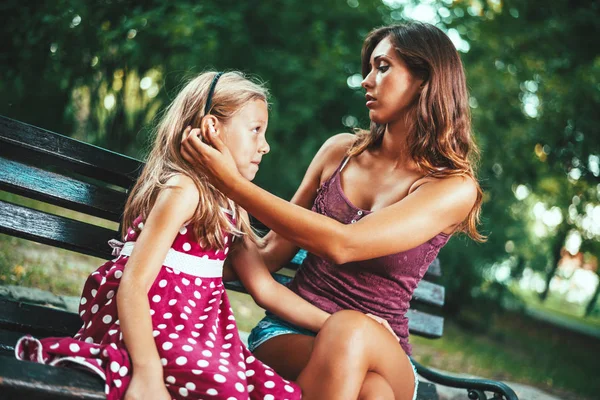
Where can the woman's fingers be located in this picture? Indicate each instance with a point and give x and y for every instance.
(383, 322)
(215, 140)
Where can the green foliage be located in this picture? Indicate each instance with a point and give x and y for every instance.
(101, 71)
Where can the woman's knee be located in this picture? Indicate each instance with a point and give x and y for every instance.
(345, 330)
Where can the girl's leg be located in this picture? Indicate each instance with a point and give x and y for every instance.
(289, 364)
(349, 346)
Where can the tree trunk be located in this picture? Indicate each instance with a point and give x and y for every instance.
(559, 242)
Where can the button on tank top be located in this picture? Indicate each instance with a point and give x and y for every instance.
(381, 286)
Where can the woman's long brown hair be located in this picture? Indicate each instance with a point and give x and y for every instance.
(439, 136)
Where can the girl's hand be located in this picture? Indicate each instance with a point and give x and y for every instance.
(207, 153)
(385, 324)
(145, 385)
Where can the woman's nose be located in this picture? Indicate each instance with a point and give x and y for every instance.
(366, 83)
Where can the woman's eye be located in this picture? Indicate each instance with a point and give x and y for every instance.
(383, 68)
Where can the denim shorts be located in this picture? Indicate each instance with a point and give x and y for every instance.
(271, 326)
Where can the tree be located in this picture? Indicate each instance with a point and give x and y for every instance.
(102, 71)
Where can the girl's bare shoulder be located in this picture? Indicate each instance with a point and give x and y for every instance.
(181, 189)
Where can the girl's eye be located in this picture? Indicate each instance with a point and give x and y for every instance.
(256, 129)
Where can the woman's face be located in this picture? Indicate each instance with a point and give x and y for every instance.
(245, 137)
(390, 85)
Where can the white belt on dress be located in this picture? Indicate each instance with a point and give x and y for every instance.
(202, 267)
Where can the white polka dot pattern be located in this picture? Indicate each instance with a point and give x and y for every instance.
(192, 324)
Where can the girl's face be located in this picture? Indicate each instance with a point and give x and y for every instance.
(390, 85)
(245, 137)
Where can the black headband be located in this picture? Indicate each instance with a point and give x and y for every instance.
(211, 92)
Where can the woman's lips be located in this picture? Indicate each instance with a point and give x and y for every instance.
(370, 100)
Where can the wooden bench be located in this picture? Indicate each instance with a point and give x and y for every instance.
(73, 175)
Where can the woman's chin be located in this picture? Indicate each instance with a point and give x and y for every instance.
(376, 117)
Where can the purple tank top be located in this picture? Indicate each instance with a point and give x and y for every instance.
(382, 286)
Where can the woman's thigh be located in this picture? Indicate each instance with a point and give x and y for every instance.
(286, 354)
(348, 347)
(289, 354)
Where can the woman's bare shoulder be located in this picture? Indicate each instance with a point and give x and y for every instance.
(335, 148)
(460, 190)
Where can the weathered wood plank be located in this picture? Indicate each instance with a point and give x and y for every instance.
(26, 380)
(54, 230)
(8, 340)
(429, 293)
(37, 320)
(82, 157)
(424, 324)
(60, 190)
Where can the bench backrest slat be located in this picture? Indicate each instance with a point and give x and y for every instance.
(25, 141)
(55, 230)
(60, 190)
(424, 324)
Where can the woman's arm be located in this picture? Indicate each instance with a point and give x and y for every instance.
(173, 207)
(429, 210)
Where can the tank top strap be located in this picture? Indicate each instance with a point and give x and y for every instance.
(339, 168)
(343, 163)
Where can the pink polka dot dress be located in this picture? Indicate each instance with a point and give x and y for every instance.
(193, 326)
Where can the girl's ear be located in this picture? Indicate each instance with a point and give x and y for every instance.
(210, 124)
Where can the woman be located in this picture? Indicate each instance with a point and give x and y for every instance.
(385, 201)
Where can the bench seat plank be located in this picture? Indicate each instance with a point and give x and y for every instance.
(37, 320)
(27, 380)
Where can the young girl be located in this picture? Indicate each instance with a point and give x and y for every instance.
(157, 320)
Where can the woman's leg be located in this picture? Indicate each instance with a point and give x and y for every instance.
(349, 346)
(289, 364)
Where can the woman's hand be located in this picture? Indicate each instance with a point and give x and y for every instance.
(383, 322)
(207, 153)
(147, 385)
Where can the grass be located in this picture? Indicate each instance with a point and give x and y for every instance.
(518, 349)
(556, 305)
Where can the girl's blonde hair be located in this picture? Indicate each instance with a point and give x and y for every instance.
(232, 92)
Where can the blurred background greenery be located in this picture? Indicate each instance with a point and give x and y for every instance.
(101, 72)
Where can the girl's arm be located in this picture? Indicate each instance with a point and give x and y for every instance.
(173, 207)
(429, 210)
(270, 294)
